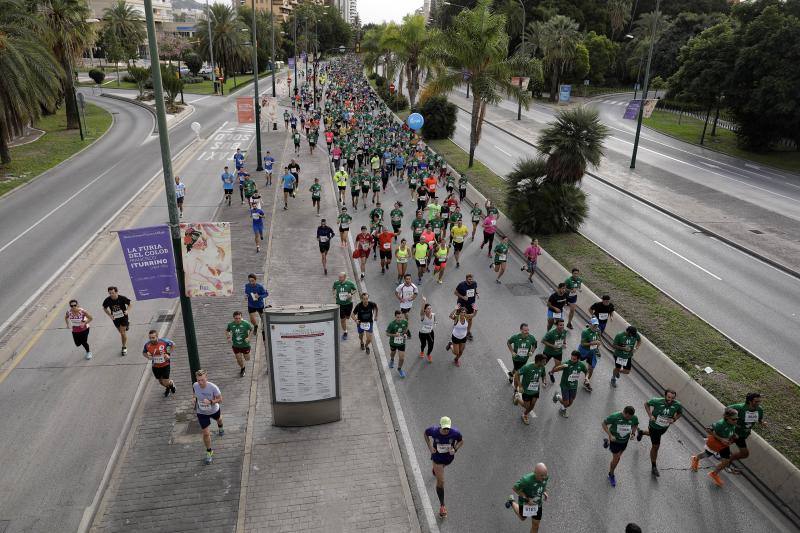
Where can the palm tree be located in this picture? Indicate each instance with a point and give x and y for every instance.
(558, 40)
(68, 33)
(409, 44)
(32, 76)
(619, 13)
(124, 25)
(475, 46)
(572, 143)
(229, 49)
(371, 47)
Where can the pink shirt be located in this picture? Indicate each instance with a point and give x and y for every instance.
(532, 252)
(77, 319)
(337, 153)
(490, 224)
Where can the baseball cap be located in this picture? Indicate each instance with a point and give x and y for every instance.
(445, 422)
(595, 322)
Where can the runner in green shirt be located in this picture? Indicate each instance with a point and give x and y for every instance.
(437, 225)
(462, 187)
(396, 331)
(355, 188)
(531, 492)
(618, 426)
(417, 226)
(249, 188)
(377, 212)
(316, 194)
(750, 414)
(528, 381)
(376, 188)
(554, 341)
(662, 412)
(396, 216)
(500, 258)
(625, 343)
(573, 283)
(721, 435)
(344, 220)
(589, 348)
(238, 334)
(343, 290)
(477, 215)
(521, 347)
(570, 375)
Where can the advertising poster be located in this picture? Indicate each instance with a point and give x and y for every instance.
(270, 107)
(245, 110)
(304, 361)
(151, 265)
(206, 249)
(632, 111)
(649, 106)
(564, 92)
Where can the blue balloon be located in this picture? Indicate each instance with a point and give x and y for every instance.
(415, 121)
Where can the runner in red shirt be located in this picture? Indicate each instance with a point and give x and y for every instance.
(363, 245)
(329, 140)
(385, 239)
(158, 352)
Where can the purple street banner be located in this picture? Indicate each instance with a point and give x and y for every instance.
(632, 111)
(291, 62)
(151, 265)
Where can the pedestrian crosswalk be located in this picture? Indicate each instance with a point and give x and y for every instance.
(613, 102)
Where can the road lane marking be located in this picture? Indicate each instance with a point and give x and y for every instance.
(756, 167)
(709, 164)
(503, 366)
(689, 261)
(201, 98)
(503, 151)
(59, 206)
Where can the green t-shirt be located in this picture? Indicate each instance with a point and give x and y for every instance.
(455, 216)
(397, 216)
(436, 226)
(530, 377)
(377, 212)
(316, 190)
(531, 487)
(434, 211)
(344, 221)
(662, 412)
(619, 427)
(451, 181)
(249, 187)
(501, 253)
(573, 284)
(344, 291)
(355, 182)
(394, 327)
(296, 138)
(462, 182)
(418, 225)
(723, 429)
(477, 214)
(557, 339)
(239, 333)
(588, 335)
(571, 374)
(747, 418)
(522, 346)
(376, 183)
(623, 339)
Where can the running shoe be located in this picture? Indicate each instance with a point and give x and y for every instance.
(716, 479)
(587, 386)
(172, 388)
(88, 356)
(421, 355)
(401, 372)
(509, 501)
(209, 458)
(525, 420)
(442, 511)
(612, 480)
(430, 359)
(391, 363)
(563, 413)
(654, 471)
(221, 432)
(166, 392)
(367, 349)
(124, 350)
(552, 377)
(344, 336)
(449, 345)
(457, 362)
(695, 463)
(556, 397)
(241, 372)
(605, 443)
(362, 345)
(614, 383)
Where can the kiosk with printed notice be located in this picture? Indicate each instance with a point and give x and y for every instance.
(303, 357)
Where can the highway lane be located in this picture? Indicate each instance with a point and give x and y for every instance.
(748, 300)
(499, 448)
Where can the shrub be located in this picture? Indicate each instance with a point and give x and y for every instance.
(192, 79)
(97, 75)
(397, 102)
(380, 81)
(128, 78)
(440, 117)
(194, 63)
(372, 75)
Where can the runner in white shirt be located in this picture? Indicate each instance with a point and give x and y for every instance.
(406, 293)
(180, 193)
(207, 399)
(458, 339)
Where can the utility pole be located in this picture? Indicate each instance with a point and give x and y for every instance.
(211, 49)
(256, 94)
(522, 33)
(272, 23)
(295, 52)
(646, 86)
(169, 185)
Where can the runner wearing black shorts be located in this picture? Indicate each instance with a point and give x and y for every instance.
(117, 308)
(324, 236)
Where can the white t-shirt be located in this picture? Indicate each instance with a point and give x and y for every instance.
(427, 323)
(206, 393)
(406, 292)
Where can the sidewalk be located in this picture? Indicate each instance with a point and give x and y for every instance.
(727, 215)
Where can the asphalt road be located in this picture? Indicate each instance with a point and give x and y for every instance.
(499, 448)
(748, 300)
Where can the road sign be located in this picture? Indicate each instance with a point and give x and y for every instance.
(586, 82)
(564, 93)
(632, 111)
(466, 75)
(391, 88)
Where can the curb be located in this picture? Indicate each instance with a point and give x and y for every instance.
(733, 244)
(152, 111)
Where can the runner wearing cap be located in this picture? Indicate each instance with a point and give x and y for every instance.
(531, 491)
(443, 441)
(589, 349)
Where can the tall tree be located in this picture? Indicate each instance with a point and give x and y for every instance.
(572, 143)
(602, 52)
(124, 30)
(409, 43)
(32, 75)
(372, 47)
(619, 13)
(230, 53)
(559, 40)
(68, 35)
(475, 47)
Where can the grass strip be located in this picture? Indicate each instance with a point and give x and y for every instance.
(689, 129)
(56, 145)
(490, 184)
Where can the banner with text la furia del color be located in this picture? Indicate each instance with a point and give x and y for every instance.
(206, 249)
(151, 265)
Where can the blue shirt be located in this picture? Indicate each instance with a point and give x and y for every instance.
(326, 232)
(268, 161)
(260, 292)
(258, 217)
(227, 181)
(288, 181)
(399, 161)
(443, 443)
(238, 158)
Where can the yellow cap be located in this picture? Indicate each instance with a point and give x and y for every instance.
(445, 422)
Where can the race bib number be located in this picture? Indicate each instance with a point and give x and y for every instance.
(624, 430)
(76, 322)
(470, 293)
(205, 407)
(530, 510)
(493, 223)
(344, 225)
(426, 328)
(366, 326)
(501, 257)
(365, 246)
(750, 417)
(558, 343)
(602, 316)
(556, 315)
(621, 361)
(573, 377)
(398, 341)
(522, 352)
(442, 448)
(663, 420)
(533, 386)
(323, 239)
(344, 296)
(437, 230)
(387, 246)
(117, 314)
(256, 216)
(158, 359)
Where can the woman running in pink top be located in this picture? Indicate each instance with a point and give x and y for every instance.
(532, 254)
(78, 319)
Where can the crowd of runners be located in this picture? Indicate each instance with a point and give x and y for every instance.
(370, 149)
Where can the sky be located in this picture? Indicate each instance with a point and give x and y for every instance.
(378, 11)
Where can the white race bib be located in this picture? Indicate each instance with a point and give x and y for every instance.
(663, 420)
(205, 407)
(750, 417)
(117, 314)
(387, 246)
(621, 361)
(602, 316)
(470, 293)
(158, 359)
(533, 386)
(623, 429)
(443, 448)
(323, 239)
(344, 296)
(530, 510)
(573, 377)
(558, 343)
(501, 257)
(366, 326)
(76, 322)
(493, 222)
(397, 341)
(256, 216)
(344, 225)
(522, 352)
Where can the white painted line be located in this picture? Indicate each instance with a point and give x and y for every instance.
(709, 164)
(503, 151)
(689, 261)
(201, 98)
(59, 206)
(756, 167)
(503, 366)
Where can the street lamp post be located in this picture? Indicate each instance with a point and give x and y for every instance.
(646, 86)
(169, 185)
(272, 23)
(522, 33)
(211, 49)
(256, 94)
